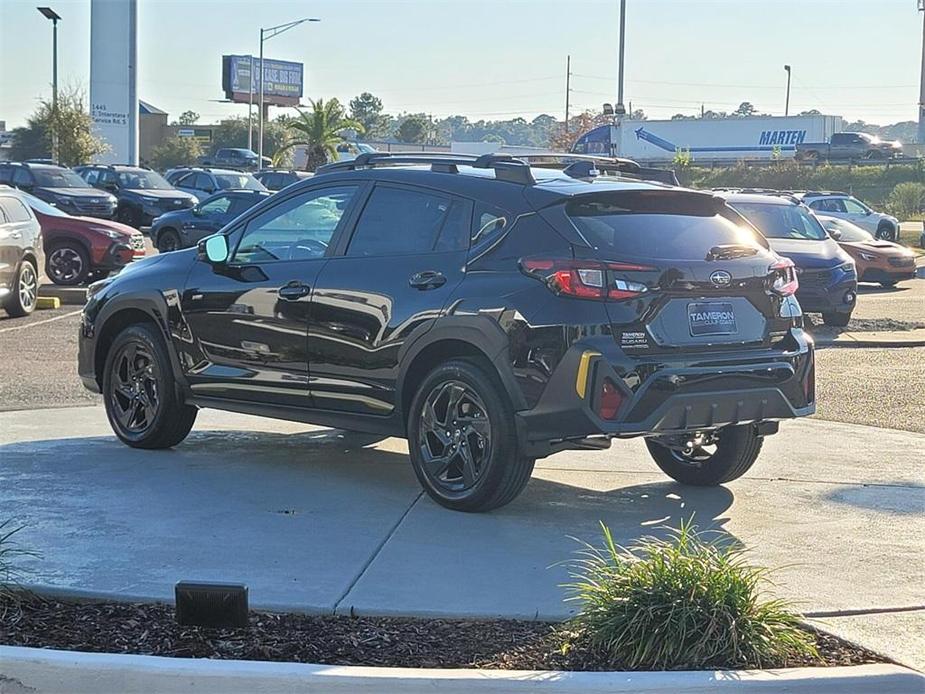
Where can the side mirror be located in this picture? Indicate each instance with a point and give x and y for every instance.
(835, 234)
(197, 210)
(214, 249)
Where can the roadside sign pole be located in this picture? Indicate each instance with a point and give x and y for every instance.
(250, 109)
(921, 133)
(620, 110)
(260, 113)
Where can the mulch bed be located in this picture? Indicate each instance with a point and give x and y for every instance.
(393, 642)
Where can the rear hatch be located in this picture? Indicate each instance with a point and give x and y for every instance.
(679, 270)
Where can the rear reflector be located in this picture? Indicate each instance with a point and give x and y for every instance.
(585, 279)
(610, 401)
(809, 385)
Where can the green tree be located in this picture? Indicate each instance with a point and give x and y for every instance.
(367, 109)
(175, 151)
(232, 132)
(76, 142)
(319, 131)
(413, 129)
(744, 110)
(187, 118)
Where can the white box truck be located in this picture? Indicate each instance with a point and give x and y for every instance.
(713, 139)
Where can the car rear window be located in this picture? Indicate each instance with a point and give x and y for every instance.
(778, 221)
(619, 231)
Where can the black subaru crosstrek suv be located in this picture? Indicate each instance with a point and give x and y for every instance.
(490, 312)
(142, 194)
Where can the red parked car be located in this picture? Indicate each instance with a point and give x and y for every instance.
(82, 249)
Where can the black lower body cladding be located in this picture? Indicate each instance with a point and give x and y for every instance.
(667, 395)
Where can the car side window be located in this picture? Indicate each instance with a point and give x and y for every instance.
(91, 176)
(15, 210)
(6, 174)
(486, 222)
(242, 204)
(186, 181)
(399, 221)
(854, 207)
(219, 205)
(297, 229)
(830, 205)
(202, 181)
(22, 177)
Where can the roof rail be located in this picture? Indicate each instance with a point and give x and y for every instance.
(506, 167)
(601, 163)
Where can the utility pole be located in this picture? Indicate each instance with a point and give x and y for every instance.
(787, 102)
(568, 77)
(921, 133)
(621, 109)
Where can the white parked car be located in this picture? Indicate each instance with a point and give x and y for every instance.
(845, 206)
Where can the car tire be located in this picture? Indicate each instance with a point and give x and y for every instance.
(140, 393)
(886, 232)
(67, 264)
(168, 240)
(736, 450)
(25, 288)
(836, 319)
(462, 440)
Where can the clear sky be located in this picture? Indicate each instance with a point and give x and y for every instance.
(497, 59)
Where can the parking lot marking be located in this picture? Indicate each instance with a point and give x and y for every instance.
(40, 322)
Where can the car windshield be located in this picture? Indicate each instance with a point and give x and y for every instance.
(143, 180)
(849, 232)
(41, 206)
(777, 221)
(58, 178)
(239, 181)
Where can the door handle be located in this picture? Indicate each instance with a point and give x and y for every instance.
(293, 291)
(429, 279)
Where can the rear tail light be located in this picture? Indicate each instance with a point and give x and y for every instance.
(586, 279)
(610, 400)
(785, 281)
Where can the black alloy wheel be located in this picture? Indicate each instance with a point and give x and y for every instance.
(454, 437)
(135, 391)
(140, 392)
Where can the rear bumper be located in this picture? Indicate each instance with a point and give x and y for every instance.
(688, 393)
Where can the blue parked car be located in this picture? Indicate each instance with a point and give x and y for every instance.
(827, 276)
(185, 228)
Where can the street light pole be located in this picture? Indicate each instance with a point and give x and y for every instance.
(921, 131)
(621, 109)
(54, 17)
(250, 108)
(266, 34)
(787, 102)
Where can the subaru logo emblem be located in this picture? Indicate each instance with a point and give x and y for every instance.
(721, 278)
(95, 200)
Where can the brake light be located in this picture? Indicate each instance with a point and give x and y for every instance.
(585, 279)
(610, 400)
(785, 277)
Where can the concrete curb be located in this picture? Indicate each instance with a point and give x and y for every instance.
(909, 338)
(40, 671)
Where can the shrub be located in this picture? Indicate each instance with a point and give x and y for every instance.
(176, 151)
(681, 603)
(9, 553)
(906, 200)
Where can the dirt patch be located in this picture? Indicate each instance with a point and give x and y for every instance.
(861, 325)
(391, 642)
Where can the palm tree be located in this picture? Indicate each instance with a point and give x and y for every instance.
(319, 131)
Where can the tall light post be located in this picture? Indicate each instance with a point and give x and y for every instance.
(266, 34)
(49, 13)
(921, 131)
(787, 102)
(620, 108)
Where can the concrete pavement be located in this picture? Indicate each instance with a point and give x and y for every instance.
(318, 520)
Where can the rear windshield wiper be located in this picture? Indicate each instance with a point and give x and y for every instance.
(731, 250)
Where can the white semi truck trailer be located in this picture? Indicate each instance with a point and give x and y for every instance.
(714, 139)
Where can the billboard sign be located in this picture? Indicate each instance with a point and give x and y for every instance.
(113, 70)
(283, 80)
(203, 135)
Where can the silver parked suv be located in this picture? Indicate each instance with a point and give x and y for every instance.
(845, 206)
(20, 254)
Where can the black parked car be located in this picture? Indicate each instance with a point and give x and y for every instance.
(489, 312)
(185, 228)
(20, 254)
(277, 179)
(61, 187)
(142, 194)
